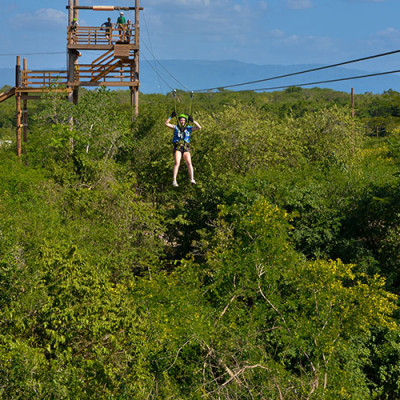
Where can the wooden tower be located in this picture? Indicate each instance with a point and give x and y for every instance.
(118, 65)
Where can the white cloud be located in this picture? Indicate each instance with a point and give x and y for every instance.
(386, 37)
(390, 33)
(7, 7)
(366, 1)
(209, 19)
(177, 3)
(277, 33)
(41, 19)
(299, 4)
(313, 44)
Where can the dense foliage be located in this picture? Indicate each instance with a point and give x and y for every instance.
(275, 277)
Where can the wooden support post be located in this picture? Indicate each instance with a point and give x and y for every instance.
(75, 95)
(352, 102)
(25, 120)
(134, 102)
(135, 78)
(70, 72)
(70, 11)
(136, 94)
(25, 110)
(137, 22)
(73, 56)
(76, 10)
(18, 104)
(25, 68)
(18, 77)
(136, 58)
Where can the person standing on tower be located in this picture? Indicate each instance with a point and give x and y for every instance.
(121, 21)
(128, 31)
(107, 26)
(72, 29)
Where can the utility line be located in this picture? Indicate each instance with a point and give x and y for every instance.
(32, 54)
(156, 72)
(150, 50)
(319, 82)
(301, 72)
(151, 46)
(165, 69)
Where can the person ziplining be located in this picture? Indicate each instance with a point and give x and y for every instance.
(181, 143)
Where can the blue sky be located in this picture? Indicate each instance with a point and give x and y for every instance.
(254, 31)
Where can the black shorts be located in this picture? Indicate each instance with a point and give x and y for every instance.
(183, 148)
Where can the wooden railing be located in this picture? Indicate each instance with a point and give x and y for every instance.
(112, 71)
(116, 71)
(42, 79)
(93, 35)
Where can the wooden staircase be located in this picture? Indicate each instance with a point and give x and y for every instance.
(6, 95)
(115, 67)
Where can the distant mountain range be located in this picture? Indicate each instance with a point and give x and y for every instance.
(165, 75)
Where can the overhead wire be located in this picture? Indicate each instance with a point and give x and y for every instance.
(32, 54)
(165, 69)
(151, 46)
(156, 72)
(325, 81)
(248, 82)
(299, 72)
(254, 81)
(158, 62)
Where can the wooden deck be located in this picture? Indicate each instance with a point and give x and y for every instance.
(96, 38)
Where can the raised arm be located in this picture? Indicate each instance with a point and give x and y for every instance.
(196, 126)
(167, 123)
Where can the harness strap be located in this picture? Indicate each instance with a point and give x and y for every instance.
(181, 143)
(174, 94)
(182, 128)
(191, 101)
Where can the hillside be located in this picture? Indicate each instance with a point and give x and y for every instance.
(165, 75)
(201, 74)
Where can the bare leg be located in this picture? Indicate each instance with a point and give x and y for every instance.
(188, 160)
(178, 157)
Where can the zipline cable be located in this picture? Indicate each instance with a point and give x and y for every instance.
(156, 72)
(327, 81)
(151, 46)
(174, 94)
(191, 101)
(301, 72)
(165, 69)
